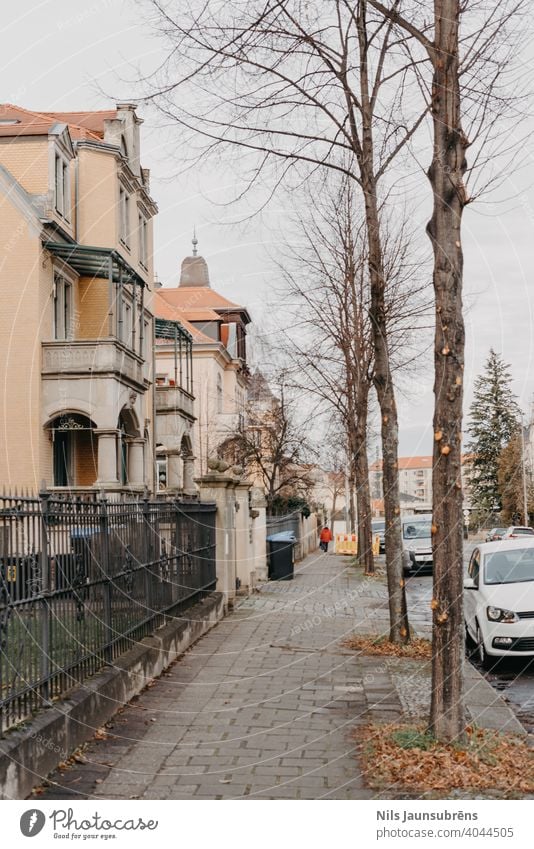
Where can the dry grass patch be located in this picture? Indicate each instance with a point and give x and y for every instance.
(408, 756)
(417, 648)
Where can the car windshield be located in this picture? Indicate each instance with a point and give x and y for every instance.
(526, 531)
(509, 567)
(379, 526)
(416, 530)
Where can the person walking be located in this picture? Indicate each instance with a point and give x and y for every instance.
(324, 538)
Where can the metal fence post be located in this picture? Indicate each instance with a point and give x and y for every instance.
(147, 554)
(44, 589)
(106, 569)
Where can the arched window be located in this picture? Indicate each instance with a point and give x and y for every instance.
(74, 450)
(127, 427)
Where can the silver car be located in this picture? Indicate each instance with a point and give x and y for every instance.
(416, 542)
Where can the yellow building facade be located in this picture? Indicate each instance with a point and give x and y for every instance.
(76, 327)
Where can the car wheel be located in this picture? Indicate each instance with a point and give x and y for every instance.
(470, 645)
(483, 658)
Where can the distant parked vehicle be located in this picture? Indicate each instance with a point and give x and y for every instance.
(416, 542)
(494, 534)
(515, 531)
(379, 529)
(499, 599)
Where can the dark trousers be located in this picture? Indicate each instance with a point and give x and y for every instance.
(324, 546)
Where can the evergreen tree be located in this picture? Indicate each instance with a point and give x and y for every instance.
(494, 420)
(511, 484)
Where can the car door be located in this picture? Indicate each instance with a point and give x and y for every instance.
(471, 595)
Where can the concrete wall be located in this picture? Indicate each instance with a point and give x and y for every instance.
(240, 534)
(34, 751)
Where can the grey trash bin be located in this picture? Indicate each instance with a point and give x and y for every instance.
(281, 555)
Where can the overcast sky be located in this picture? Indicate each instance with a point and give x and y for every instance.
(63, 54)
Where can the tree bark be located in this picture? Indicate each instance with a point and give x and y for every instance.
(446, 174)
(399, 630)
(365, 534)
(352, 510)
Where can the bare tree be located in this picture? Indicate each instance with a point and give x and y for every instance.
(327, 291)
(303, 87)
(467, 79)
(272, 442)
(327, 296)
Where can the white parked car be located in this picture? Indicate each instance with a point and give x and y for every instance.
(499, 599)
(517, 531)
(416, 542)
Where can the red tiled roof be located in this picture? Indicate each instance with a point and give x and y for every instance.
(40, 123)
(202, 315)
(405, 463)
(190, 298)
(92, 121)
(162, 309)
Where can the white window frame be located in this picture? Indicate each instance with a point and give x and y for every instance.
(61, 185)
(62, 306)
(162, 463)
(143, 240)
(128, 319)
(124, 217)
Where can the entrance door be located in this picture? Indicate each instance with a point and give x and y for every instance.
(62, 458)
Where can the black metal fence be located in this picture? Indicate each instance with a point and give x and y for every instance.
(81, 580)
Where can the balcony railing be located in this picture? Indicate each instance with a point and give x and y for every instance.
(89, 357)
(229, 423)
(174, 399)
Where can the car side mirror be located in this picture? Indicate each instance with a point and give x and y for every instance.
(469, 584)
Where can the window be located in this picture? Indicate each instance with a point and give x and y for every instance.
(146, 340)
(219, 394)
(124, 217)
(474, 567)
(161, 473)
(62, 308)
(127, 325)
(62, 187)
(142, 235)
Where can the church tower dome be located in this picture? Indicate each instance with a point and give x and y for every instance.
(194, 271)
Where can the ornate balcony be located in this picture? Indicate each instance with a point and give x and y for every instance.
(174, 399)
(92, 358)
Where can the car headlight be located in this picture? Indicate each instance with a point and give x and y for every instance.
(499, 614)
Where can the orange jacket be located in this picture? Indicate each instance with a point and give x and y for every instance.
(325, 535)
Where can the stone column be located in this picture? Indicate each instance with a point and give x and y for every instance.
(244, 559)
(174, 469)
(136, 461)
(189, 475)
(220, 489)
(107, 457)
(258, 512)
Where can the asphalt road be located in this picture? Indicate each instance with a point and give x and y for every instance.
(514, 678)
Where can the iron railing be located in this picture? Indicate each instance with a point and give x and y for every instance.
(81, 581)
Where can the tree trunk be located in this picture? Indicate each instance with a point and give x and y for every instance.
(446, 178)
(399, 630)
(334, 502)
(365, 534)
(352, 509)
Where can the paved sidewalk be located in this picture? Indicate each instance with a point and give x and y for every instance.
(265, 704)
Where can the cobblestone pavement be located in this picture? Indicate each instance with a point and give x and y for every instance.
(266, 704)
